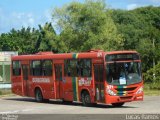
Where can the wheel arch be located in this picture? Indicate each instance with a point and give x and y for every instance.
(36, 88)
(84, 90)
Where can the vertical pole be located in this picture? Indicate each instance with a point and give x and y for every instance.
(154, 76)
(3, 72)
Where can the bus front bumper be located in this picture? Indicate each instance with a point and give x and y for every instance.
(118, 99)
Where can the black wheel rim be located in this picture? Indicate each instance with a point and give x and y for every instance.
(83, 99)
(87, 99)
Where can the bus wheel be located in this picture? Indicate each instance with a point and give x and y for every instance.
(86, 100)
(118, 104)
(38, 95)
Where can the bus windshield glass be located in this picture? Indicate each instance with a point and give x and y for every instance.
(123, 73)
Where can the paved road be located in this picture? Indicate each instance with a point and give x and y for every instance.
(24, 105)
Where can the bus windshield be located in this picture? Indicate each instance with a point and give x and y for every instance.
(123, 73)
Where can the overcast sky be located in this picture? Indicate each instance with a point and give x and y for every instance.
(18, 13)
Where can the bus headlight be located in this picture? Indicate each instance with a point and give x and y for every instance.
(140, 90)
(110, 92)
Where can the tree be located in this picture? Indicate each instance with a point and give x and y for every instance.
(48, 40)
(149, 74)
(87, 25)
(23, 40)
(140, 29)
(29, 41)
(47, 37)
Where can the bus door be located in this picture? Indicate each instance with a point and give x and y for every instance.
(25, 70)
(99, 83)
(58, 80)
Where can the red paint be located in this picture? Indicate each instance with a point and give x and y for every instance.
(63, 89)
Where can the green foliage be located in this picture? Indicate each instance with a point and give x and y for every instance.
(152, 77)
(48, 38)
(151, 92)
(29, 41)
(19, 40)
(91, 25)
(5, 92)
(152, 86)
(140, 29)
(153, 74)
(87, 25)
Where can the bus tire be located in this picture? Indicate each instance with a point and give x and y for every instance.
(86, 99)
(118, 104)
(38, 95)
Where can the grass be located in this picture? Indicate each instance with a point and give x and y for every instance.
(151, 90)
(5, 92)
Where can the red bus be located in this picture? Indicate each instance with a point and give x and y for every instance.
(89, 77)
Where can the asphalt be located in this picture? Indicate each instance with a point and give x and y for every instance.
(28, 108)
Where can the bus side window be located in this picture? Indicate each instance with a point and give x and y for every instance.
(67, 71)
(47, 68)
(78, 67)
(16, 68)
(71, 68)
(36, 68)
(58, 72)
(85, 68)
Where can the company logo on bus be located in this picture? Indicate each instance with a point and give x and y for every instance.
(41, 80)
(84, 82)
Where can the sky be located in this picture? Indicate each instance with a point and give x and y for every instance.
(18, 13)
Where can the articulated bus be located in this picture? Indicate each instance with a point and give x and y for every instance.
(89, 77)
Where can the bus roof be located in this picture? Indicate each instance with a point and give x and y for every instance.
(50, 55)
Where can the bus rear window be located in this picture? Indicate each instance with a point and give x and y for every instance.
(119, 57)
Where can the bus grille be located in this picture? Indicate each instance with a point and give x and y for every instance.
(126, 89)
